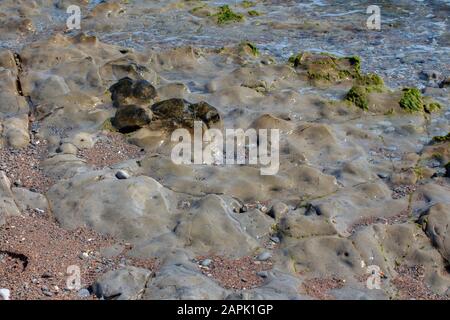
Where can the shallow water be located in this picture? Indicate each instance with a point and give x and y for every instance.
(414, 36)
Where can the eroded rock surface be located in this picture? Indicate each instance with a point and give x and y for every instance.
(361, 180)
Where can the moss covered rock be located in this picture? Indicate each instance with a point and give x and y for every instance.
(128, 91)
(438, 139)
(225, 15)
(326, 67)
(412, 100)
(181, 113)
(131, 118)
(358, 95)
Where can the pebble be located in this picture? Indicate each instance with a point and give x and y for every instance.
(122, 175)
(275, 239)
(5, 294)
(84, 255)
(264, 256)
(206, 262)
(84, 293)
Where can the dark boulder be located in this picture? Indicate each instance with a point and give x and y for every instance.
(127, 92)
(181, 113)
(131, 118)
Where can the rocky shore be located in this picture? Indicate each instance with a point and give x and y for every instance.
(87, 179)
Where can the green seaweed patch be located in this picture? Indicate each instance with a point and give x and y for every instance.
(355, 62)
(247, 4)
(371, 80)
(432, 107)
(253, 48)
(439, 139)
(226, 15)
(253, 13)
(295, 60)
(325, 66)
(412, 100)
(358, 95)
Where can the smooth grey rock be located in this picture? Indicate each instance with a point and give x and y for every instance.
(27, 199)
(264, 256)
(136, 208)
(123, 284)
(84, 293)
(181, 282)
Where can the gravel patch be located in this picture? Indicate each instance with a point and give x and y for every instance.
(110, 149)
(319, 288)
(238, 274)
(35, 254)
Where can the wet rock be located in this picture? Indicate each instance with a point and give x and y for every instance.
(130, 118)
(326, 67)
(129, 92)
(205, 112)
(445, 83)
(123, 284)
(173, 110)
(433, 77)
(181, 113)
(436, 224)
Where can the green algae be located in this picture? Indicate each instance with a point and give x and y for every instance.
(253, 48)
(247, 4)
(327, 67)
(358, 95)
(253, 13)
(372, 81)
(226, 15)
(432, 107)
(412, 100)
(439, 139)
(295, 60)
